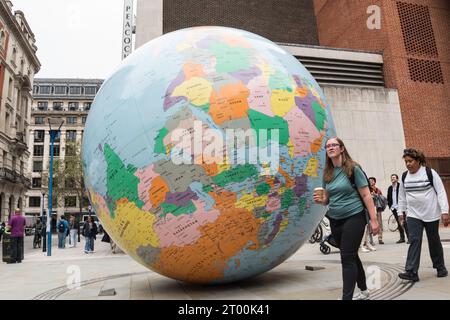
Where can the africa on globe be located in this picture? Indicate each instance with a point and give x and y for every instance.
(201, 152)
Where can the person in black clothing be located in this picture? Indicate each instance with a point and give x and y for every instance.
(392, 197)
(89, 231)
(2, 230)
(37, 234)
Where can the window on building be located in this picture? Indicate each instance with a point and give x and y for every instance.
(60, 89)
(70, 201)
(39, 120)
(75, 90)
(34, 202)
(10, 88)
(73, 106)
(45, 89)
(36, 183)
(37, 166)
(87, 106)
(2, 38)
(39, 135)
(7, 123)
(35, 89)
(57, 106)
(5, 158)
(90, 90)
(14, 163)
(83, 120)
(71, 135)
(42, 105)
(55, 150)
(14, 55)
(58, 136)
(71, 120)
(38, 150)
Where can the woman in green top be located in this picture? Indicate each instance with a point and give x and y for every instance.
(346, 213)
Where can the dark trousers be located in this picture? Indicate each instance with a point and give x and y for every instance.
(16, 249)
(416, 227)
(348, 234)
(400, 228)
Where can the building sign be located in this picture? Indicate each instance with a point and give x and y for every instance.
(127, 40)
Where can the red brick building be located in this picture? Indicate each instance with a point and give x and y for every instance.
(414, 38)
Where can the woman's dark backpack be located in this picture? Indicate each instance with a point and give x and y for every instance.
(429, 175)
(61, 227)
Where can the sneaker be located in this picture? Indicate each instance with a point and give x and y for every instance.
(365, 249)
(401, 241)
(442, 273)
(371, 247)
(410, 276)
(86, 251)
(380, 242)
(362, 295)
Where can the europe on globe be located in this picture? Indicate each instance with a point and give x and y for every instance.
(201, 152)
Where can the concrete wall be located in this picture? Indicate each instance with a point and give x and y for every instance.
(369, 122)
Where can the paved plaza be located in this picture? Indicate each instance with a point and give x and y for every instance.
(71, 274)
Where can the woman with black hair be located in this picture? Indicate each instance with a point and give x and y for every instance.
(423, 200)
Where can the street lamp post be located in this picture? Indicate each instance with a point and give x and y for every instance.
(44, 243)
(53, 135)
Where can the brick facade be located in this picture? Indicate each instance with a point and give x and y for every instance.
(415, 41)
(287, 21)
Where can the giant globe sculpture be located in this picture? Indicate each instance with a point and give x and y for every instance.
(201, 152)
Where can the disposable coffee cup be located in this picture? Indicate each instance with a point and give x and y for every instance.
(320, 192)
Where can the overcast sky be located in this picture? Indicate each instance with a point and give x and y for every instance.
(75, 38)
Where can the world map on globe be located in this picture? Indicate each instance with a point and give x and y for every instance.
(201, 152)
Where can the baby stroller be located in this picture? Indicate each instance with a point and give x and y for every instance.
(323, 235)
(324, 248)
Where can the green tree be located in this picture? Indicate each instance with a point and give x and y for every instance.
(68, 179)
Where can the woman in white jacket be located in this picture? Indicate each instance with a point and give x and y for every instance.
(423, 203)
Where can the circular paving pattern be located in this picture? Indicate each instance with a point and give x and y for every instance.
(392, 286)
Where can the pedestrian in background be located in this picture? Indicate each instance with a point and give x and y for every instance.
(2, 230)
(17, 227)
(74, 227)
(347, 202)
(63, 228)
(375, 194)
(392, 197)
(37, 234)
(423, 200)
(89, 231)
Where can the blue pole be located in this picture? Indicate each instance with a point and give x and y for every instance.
(53, 134)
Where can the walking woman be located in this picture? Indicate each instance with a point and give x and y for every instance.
(422, 198)
(346, 212)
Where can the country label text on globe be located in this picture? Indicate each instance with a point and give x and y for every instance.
(201, 152)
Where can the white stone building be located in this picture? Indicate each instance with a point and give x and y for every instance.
(18, 66)
(69, 99)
